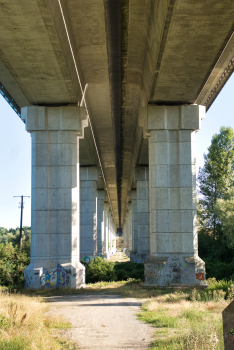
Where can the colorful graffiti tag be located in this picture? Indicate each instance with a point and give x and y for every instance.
(54, 277)
(200, 276)
(87, 259)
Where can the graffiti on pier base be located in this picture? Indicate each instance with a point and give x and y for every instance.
(58, 277)
(200, 276)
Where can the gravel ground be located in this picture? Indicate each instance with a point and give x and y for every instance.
(102, 321)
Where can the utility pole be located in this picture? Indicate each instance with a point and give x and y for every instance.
(21, 217)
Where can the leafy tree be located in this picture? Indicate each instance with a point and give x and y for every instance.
(224, 210)
(13, 261)
(216, 190)
(12, 236)
(215, 178)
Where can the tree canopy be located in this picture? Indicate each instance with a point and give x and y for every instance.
(216, 177)
(216, 206)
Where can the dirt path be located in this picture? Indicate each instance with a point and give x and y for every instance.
(102, 321)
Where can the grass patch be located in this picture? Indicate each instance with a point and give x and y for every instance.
(159, 320)
(14, 344)
(57, 322)
(183, 324)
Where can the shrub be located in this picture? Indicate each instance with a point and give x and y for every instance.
(219, 269)
(126, 270)
(99, 270)
(13, 261)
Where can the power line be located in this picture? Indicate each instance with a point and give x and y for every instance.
(7, 203)
(6, 200)
(21, 217)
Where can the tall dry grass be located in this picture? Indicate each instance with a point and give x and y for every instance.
(185, 324)
(24, 325)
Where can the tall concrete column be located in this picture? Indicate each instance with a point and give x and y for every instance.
(88, 211)
(174, 257)
(143, 217)
(100, 222)
(55, 197)
(127, 231)
(129, 228)
(133, 197)
(106, 230)
(109, 232)
(113, 238)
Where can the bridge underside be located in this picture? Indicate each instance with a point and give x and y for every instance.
(119, 60)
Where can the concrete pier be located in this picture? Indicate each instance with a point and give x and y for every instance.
(106, 230)
(127, 231)
(55, 197)
(113, 231)
(173, 257)
(88, 212)
(133, 198)
(143, 229)
(101, 195)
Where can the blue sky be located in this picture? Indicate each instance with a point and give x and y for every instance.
(15, 153)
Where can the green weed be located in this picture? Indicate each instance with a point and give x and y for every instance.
(15, 344)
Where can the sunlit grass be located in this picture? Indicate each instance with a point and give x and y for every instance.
(183, 324)
(24, 325)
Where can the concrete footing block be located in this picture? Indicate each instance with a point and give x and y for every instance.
(228, 326)
(175, 270)
(62, 276)
(132, 255)
(127, 252)
(139, 257)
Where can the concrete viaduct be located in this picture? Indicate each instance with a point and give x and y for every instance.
(113, 93)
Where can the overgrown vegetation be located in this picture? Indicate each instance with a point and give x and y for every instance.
(13, 260)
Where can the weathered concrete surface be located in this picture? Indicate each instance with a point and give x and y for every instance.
(100, 222)
(55, 241)
(88, 212)
(102, 321)
(143, 214)
(133, 198)
(127, 231)
(228, 324)
(173, 202)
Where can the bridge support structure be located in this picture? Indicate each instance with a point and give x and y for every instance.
(142, 207)
(133, 198)
(55, 133)
(105, 251)
(173, 257)
(88, 212)
(101, 195)
(127, 231)
(112, 236)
